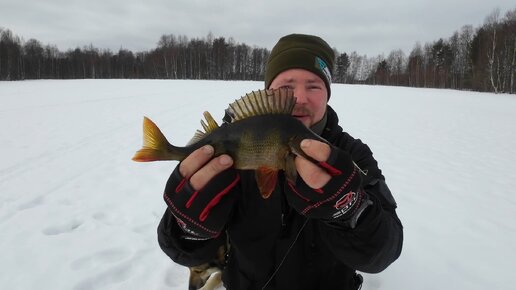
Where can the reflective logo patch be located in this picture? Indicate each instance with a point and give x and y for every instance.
(345, 203)
(320, 64)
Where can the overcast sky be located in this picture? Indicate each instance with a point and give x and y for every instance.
(367, 27)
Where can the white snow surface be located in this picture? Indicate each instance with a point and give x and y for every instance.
(76, 213)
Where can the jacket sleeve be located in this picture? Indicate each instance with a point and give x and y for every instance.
(375, 242)
(377, 239)
(183, 251)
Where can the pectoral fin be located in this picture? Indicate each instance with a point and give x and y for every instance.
(266, 178)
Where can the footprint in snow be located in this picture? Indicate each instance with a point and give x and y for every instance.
(63, 228)
(31, 203)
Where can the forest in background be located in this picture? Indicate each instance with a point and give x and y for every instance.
(480, 59)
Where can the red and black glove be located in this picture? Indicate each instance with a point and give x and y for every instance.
(202, 214)
(341, 200)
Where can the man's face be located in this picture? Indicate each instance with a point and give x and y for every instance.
(310, 91)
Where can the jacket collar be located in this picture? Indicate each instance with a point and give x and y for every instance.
(332, 129)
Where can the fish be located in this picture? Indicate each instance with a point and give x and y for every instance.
(260, 134)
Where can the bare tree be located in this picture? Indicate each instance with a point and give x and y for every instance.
(341, 68)
(510, 48)
(33, 56)
(491, 24)
(396, 62)
(415, 67)
(463, 57)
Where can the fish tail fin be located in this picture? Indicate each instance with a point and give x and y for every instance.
(155, 146)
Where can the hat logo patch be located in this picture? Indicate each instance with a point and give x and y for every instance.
(323, 67)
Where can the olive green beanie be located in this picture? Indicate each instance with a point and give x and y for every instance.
(302, 51)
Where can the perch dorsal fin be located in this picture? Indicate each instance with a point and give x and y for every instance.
(209, 126)
(262, 102)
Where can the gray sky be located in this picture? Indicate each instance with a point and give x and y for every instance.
(367, 27)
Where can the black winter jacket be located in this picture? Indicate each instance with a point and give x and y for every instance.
(323, 256)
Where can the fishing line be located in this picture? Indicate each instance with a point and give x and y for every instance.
(286, 254)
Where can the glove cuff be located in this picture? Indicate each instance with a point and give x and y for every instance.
(350, 208)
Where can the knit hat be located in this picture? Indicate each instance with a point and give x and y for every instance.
(302, 51)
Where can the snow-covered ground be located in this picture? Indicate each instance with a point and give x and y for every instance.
(76, 212)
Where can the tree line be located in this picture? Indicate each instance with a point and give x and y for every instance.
(482, 59)
(175, 57)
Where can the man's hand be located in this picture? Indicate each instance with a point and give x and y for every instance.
(200, 193)
(200, 168)
(313, 175)
(330, 190)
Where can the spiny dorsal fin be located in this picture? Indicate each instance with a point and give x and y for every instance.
(208, 126)
(262, 102)
(197, 136)
(212, 124)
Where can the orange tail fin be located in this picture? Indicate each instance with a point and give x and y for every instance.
(155, 145)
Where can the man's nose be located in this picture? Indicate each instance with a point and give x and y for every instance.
(300, 95)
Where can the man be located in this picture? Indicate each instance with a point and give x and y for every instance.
(337, 218)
